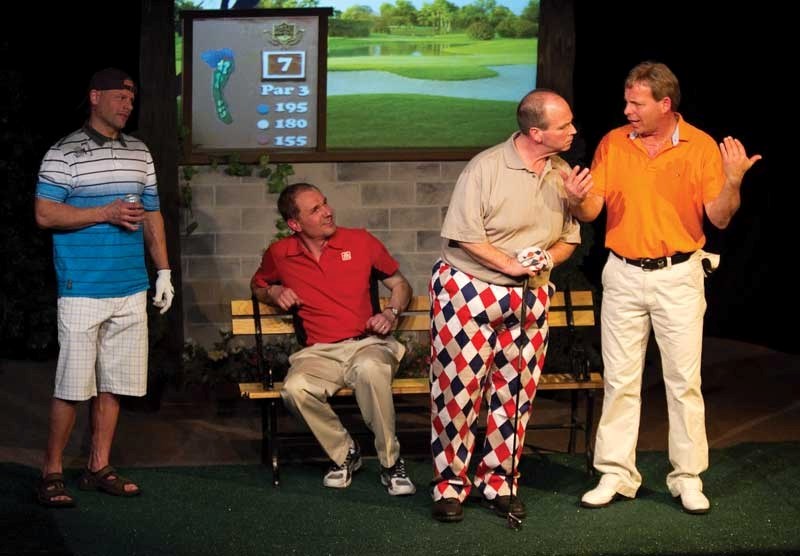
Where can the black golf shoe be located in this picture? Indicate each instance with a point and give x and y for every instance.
(503, 505)
(448, 510)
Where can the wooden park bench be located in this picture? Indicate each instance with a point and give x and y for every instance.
(567, 309)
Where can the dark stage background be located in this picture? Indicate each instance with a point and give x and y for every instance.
(723, 59)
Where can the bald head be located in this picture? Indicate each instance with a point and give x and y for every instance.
(534, 109)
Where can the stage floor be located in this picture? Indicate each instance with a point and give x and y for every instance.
(750, 393)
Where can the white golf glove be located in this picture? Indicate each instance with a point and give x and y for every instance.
(535, 258)
(164, 291)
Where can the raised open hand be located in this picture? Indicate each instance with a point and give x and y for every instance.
(735, 162)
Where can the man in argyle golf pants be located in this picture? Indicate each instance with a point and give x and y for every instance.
(508, 223)
(475, 339)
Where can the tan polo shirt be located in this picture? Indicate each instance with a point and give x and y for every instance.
(499, 201)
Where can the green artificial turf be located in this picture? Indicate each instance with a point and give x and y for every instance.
(220, 510)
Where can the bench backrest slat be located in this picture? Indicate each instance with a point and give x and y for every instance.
(581, 317)
(269, 325)
(415, 318)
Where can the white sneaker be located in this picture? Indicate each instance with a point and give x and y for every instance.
(694, 501)
(396, 480)
(603, 494)
(340, 476)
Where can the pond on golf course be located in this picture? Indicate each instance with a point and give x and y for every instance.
(393, 49)
(511, 83)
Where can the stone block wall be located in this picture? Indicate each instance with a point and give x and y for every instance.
(401, 203)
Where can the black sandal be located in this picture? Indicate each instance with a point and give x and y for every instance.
(50, 488)
(107, 480)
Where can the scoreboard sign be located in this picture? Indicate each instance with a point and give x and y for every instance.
(254, 81)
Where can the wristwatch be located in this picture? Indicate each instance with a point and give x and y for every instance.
(395, 311)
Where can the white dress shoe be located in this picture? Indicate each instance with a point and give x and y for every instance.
(694, 502)
(599, 497)
(603, 494)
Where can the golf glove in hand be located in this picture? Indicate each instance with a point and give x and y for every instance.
(535, 258)
(164, 291)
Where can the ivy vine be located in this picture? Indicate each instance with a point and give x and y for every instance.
(276, 176)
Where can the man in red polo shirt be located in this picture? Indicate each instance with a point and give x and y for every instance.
(327, 276)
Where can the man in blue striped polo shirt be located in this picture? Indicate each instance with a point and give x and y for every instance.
(97, 192)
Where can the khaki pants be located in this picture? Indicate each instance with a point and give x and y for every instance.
(368, 367)
(672, 301)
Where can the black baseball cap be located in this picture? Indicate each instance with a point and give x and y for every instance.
(111, 78)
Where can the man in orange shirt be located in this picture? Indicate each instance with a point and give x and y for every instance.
(656, 176)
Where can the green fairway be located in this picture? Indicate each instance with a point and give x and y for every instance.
(178, 54)
(411, 121)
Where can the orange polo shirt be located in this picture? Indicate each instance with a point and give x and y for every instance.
(654, 205)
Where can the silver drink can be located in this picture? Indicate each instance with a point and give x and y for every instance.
(132, 198)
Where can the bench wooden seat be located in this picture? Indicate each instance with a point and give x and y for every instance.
(421, 385)
(567, 309)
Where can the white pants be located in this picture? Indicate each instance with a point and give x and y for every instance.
(672, 301)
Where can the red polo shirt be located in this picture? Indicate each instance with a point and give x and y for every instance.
(339, 292)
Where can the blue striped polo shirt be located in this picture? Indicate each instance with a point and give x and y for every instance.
(87, 169)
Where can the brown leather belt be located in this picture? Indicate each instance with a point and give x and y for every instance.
(658, 263)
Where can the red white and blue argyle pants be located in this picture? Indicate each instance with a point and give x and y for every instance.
(475, 328)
